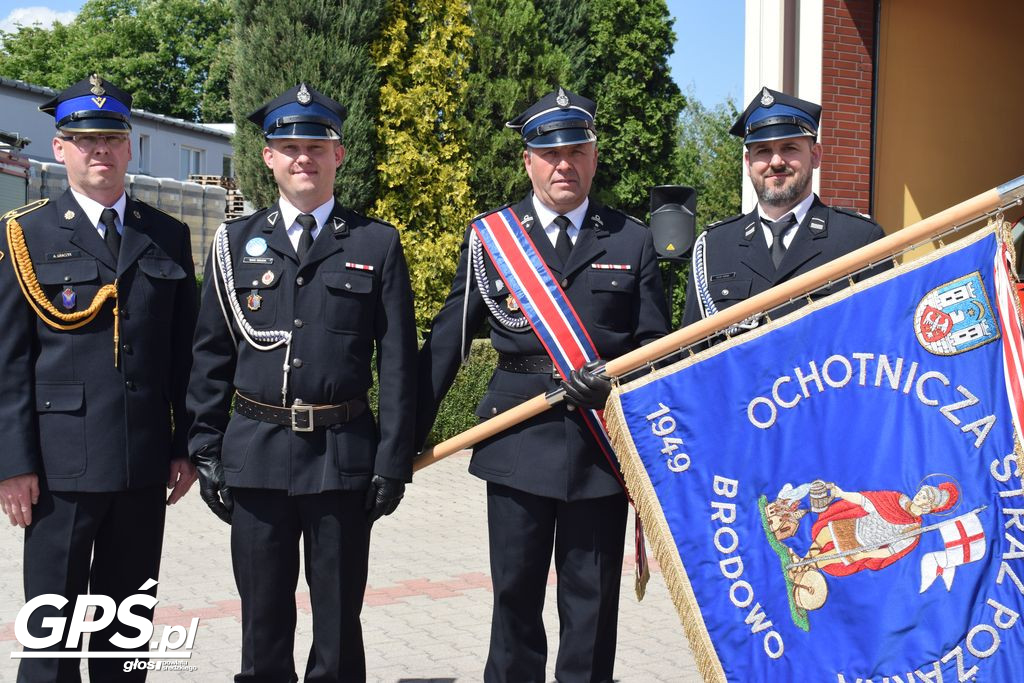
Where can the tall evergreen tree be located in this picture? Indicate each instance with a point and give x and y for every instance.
(327, 45)
(567, 27)
(638, 103)
(424, 167)
(510, 69)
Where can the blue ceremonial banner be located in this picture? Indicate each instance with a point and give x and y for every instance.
(837, 496)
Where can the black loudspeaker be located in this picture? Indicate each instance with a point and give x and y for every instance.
(673, 221)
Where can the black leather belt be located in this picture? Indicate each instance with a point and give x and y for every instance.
(536, 365)
(302, 417)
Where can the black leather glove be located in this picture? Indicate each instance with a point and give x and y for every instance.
(212, 488)
(383, 496)
(584, 388)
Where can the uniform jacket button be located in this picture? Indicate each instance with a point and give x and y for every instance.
(298, 322)
(494, 411)
(67, 278)
(130, 384)
(300, 281)
(127, 348)
(46, 405)
(296, 362)
(565, 282)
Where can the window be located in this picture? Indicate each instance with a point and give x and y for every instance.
(144, 148)
(228, 168)
(191, 161)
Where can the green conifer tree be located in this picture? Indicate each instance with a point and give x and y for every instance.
(424, 168)
(638, 104)
(327, 45)
(510, 69)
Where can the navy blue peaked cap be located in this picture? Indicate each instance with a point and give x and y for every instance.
(559, 118)
(301, 112)
(774, 115)
(91, 105)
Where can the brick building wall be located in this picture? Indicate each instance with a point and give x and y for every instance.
(847, 82)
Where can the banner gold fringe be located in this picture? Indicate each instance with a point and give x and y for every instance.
(648, 507)
(646, 501)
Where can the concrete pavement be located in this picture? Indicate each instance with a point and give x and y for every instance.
(427, 610)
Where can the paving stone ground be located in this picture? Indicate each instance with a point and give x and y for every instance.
(428, 600)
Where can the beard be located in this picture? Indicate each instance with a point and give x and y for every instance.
(785, 196)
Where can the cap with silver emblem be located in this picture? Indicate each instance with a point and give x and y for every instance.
(774, 115)
(557, 119)
(300, 112)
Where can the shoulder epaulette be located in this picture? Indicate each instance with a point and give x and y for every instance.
(228, 221)
(855, 214)
(730, 219)
(488, 212)
(22, 210)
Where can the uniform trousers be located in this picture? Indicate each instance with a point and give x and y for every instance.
(99, 543)
(587, 537)
(266, 528)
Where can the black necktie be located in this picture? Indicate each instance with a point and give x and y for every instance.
(563, 245)
(308, 222)
(110, 234)
(779, 228)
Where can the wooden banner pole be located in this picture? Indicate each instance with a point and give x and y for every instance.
(832, 271)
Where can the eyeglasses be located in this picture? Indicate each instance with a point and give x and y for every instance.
(87, 143)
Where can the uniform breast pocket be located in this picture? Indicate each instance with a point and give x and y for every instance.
(612, 298)
(349, 299)
(69, 285)
(160, 278)
(257, 293)
(727, 292)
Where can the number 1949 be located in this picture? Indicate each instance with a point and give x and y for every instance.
(663, 426)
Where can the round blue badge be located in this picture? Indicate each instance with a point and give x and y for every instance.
(257, 246)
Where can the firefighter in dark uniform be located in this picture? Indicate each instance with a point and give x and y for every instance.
(97, 308)
(549, 485)
(790, 232)
(295, 300)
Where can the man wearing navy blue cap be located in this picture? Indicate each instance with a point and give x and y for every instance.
(296, 298)
(790, 231)
(97, 307)
(552, 487)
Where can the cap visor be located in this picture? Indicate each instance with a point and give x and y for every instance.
(309, 131)
(777, 132)
(566, 136)
(103, 125)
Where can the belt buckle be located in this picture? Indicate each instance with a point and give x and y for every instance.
(302, 410)
(555, 374)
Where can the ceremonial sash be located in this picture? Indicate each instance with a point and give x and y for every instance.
(554, 321)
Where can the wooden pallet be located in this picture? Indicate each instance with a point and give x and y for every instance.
(219, 181)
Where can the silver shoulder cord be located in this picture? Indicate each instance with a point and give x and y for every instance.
(476, 248)
(700, 279)
(261, 340)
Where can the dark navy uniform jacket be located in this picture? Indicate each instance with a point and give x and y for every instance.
(739, 264)
(337, 313)
(67, 413)
(552, 454)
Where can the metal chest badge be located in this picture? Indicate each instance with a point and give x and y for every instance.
(955, 317)
(511, 304)
(268, 277)
(68, 297)
(254, 301)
